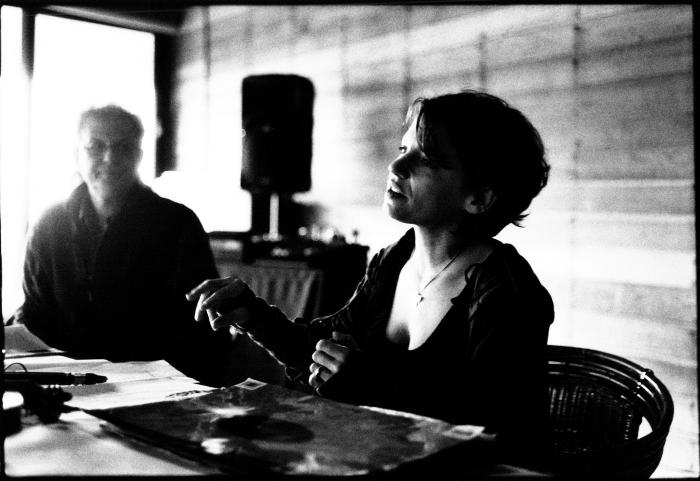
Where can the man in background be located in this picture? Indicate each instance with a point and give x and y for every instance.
(106, 271)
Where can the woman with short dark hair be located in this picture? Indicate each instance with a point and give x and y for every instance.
(448, 322)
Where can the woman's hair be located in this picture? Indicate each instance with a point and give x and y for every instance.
(498, 147)
(132, 122)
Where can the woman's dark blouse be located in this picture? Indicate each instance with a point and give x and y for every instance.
(484, 364)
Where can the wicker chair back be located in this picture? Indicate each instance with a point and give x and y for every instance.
(597, 402)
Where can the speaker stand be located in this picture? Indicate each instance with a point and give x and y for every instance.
(274, 233)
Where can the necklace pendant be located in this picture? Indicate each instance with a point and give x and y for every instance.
(437, 274)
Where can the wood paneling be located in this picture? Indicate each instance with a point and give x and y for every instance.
(534, 45)
(636, 196)
(663, 57)
(604, 29)
(448, 62)
(368, 22)
(318, 28)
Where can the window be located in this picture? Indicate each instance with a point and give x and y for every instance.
(39, 115)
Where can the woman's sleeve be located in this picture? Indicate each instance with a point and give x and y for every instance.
(292, 342)
(507, 366)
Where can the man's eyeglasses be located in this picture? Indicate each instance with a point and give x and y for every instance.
(122, 148)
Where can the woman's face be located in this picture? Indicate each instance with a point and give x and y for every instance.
(421, 191)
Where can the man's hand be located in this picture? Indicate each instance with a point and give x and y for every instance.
(330, 357)
(223, 302)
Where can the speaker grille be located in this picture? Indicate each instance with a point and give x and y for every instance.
(277, 123)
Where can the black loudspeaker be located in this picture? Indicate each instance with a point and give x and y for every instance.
(277, 126)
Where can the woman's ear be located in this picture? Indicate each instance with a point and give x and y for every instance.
(480, 200)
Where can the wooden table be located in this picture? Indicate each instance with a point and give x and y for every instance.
(80, 444)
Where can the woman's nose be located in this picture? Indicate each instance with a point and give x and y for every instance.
(399, 166)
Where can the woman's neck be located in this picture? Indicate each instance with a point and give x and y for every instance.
(435, 247)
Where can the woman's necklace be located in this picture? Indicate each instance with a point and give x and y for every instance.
(444, 268)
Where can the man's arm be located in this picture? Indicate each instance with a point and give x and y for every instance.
(39, 310)
(199, 352)
(196, 261)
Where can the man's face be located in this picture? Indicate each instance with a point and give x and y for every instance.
(108, 156)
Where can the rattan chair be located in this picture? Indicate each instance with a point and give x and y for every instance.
(597, 402)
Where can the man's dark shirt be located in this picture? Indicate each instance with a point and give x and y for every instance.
(120, 294)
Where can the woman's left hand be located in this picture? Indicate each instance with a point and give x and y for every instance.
(330, 357)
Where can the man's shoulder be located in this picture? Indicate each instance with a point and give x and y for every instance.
(60, 211)
(56, 214)
(163, 205)
(52, 227)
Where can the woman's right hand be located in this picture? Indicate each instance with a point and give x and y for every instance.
(223, 302)
(330, 357)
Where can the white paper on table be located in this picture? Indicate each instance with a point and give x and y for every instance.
(129, 393)
(114, 371)
(128, 383)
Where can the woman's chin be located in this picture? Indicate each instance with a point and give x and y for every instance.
(394, 211)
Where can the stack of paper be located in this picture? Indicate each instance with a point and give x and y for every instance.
(128, 383)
